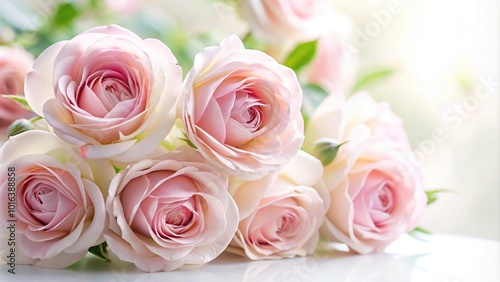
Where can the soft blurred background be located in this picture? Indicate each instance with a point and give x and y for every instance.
(444, 53)
(436, 62)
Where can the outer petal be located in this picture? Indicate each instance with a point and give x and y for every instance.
(38, 84)
(92, 235)
(248, 193)
(213, 250)
(326, 122)
(62, 260)
(20, 145)
(114, 30)
(303, 169)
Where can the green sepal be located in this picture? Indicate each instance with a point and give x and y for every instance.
(326, 151)
(100, 251)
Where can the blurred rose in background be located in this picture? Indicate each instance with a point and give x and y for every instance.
(15, 62)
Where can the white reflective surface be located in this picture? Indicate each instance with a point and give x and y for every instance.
(441, 258)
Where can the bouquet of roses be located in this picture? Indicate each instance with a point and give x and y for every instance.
(256, 151)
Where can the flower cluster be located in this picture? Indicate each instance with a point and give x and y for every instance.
(171, 171)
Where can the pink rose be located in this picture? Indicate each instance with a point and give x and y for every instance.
(241, 109)
(170, 211)
(335, 63)
(108, 91)
(361, 108)
(278, 21)
(281, 213)
(14, 65)
(59, 206)
(335, 119)
(124, 6)
(373, 200)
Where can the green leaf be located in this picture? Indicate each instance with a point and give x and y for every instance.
(94, 3)
(21, 100)
(312, 95)
(301, 55)
(65, 14)
(326, 150)
(117, 169)
(421, 230)
(372, 78)
(249, 41)
(432, 195)
(100, 251)
(418, 231)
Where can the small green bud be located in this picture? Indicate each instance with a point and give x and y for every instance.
(326, 150)
(19, 126)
